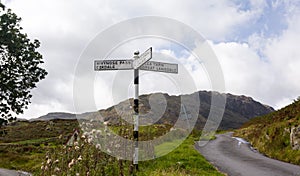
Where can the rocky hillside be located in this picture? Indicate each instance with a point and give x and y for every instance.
(277, 134)
(57, 115)
(61, 115)
(239, 109)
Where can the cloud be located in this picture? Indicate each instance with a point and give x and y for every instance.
(263, 66)
(284, 56)
(244, 71)
(215, 19)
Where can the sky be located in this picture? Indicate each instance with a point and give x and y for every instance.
(255, 43)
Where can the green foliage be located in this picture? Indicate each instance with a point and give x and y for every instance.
(23, 145)
(38, 130)
(19, 65)
(21, 157)
(270, 134)
(43, 151)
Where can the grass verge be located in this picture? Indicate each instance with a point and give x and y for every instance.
(184, 160)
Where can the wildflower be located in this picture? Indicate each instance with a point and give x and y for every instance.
(76, 148)
(98, 146)
(71, 163)
(77, 174)
(42, 167)
(76, 143)
(79, 158)
(56, 169)
(56, 161)
(46, 168)
(49, 161)
(108, 151)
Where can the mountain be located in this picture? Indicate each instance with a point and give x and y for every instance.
(239, 109)
(61, 115)
(277, 134)
(57, 115)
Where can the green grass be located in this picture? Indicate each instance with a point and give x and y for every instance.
(184, 160)
(21, 157)
(24, 144)
(164, 148)
(34, 141)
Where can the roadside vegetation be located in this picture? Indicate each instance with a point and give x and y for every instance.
(184, 160)
(41, 148)
(270, 134)
(23, 144)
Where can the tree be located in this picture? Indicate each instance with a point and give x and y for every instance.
(19, 66)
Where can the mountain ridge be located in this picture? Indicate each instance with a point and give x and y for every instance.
(239, 109)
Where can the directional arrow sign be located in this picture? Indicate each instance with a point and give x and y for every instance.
(160, 67)
(147, 55)
(102, 65)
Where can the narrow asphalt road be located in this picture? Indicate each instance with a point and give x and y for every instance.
(6, 172)
(235, 157)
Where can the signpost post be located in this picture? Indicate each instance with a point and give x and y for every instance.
(136, 110)
(139, 62)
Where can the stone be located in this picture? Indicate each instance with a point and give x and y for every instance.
(295, 137)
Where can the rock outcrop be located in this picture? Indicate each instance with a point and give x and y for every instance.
(295, 137)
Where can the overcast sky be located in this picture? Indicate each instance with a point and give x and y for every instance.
(256, 43)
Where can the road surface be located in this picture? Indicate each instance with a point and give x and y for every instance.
(235, 157)
(6, 172)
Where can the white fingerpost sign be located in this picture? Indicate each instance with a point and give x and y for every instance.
(160, 67)
(101, 65)
(139, 62)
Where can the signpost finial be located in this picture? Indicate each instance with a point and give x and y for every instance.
(136, 53)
